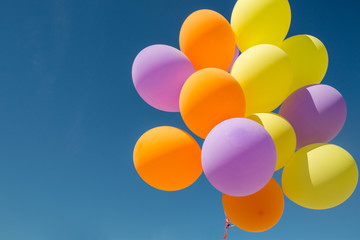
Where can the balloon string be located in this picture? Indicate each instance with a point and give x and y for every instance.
(228, 225)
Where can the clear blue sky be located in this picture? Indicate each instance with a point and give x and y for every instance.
(70, 116)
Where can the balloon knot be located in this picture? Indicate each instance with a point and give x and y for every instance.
(228, 224)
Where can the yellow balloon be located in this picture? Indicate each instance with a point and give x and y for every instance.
(320, 176)
(281, 132)
(265, 75)
(309, 59)
(260, 21)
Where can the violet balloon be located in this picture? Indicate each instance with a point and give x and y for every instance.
(316, 112)
(159, 72)
(238, 157)
(236, 55)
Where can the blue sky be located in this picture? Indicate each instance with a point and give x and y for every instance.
(70, 117)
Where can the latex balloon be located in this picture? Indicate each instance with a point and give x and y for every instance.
(257, 22)
(320, 176)
(281, 132)
(167, 158)
(317, 113)
(207, 39)
(265, 74)
(257, 212)
(159, 72)
(209, 97)
(236, 55)
(309, 59)
(238, 157)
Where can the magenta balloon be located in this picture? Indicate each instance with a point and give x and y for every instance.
(159, 72)
(238, 157)
(236, 55)
(316, 112)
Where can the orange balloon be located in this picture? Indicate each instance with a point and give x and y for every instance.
(257, 212)
(208, 97)
(167, 158)
(207, 39)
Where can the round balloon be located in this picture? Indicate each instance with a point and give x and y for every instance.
(257, 212)
(320, 176)
(159, 72)
(281, 132)
(238, 157)
(209, 97)
(261, 21)
(265, 74)
(317, 113)
(167, 158)
(309, 59)
(207, 39)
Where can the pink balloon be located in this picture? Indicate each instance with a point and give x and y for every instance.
(316, 112)
(238, 157)
(159, 72)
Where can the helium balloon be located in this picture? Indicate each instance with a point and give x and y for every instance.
(257, 212)
(207, 39)
(159, 72)
(209, 97)
(257, 22)
(265, 74)
(238, 157)
(167, 158)
(320, 176)
(281, 132)
(317, 113)
(236, 55)
(309, 59)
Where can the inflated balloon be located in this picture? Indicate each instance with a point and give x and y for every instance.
(309, 59)
(209, 97)
(167, 158)
(260, 21)
(257, 212)
(238, 157)
(244, 142)
(236, 55)
(159, 72)
(207, 39)
(265, 74)
(320, 176)
(281, 132)
(317, 113)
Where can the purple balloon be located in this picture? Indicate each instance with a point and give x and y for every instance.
(159, 72)
(238, 157)
(316, 112)
(236, 55)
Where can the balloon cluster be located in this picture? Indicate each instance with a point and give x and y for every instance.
(227, 99)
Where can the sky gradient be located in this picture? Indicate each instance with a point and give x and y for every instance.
(70, 117)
